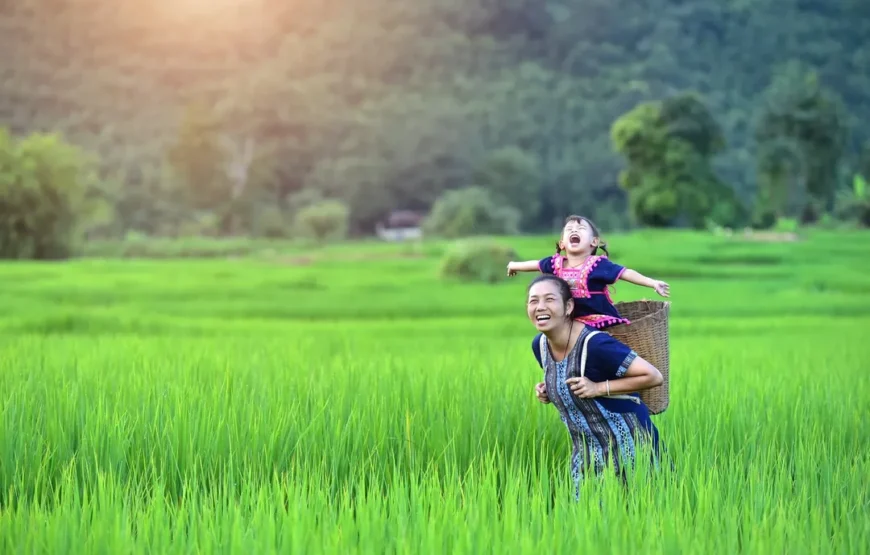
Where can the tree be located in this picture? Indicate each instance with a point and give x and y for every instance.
(357, 182)
(669, 179)
(214, 167)
(478, 259)
(452, 82)
(323, 221)
(198, 157)
(864, 161)
(802, 114)
(49, 196)
(469, 212)
(513, 177)
(853, 204)
(781, 182)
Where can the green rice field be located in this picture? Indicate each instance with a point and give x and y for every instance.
(348, 400)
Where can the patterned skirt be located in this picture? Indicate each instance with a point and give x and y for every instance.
(601, 321)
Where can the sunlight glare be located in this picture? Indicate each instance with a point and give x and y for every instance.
(208, 7)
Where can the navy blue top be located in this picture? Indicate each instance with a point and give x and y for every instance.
(589, 286)
(606, 359)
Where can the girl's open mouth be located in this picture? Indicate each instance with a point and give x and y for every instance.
(574, 239)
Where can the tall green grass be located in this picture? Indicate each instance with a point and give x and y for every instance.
(252, 406)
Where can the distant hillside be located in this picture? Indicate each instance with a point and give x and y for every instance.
(391, 102)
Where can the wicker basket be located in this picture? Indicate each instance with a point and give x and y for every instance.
(648, 336)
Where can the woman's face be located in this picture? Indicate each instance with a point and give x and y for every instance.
(545, 306)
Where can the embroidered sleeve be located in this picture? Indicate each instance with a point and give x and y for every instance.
(546, 265)
(607, 271)
(609, 356)
(626, 362)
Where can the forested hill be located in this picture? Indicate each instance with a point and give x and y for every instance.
(389, 102)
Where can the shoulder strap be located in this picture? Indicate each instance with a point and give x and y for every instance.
(583, 352)
(542, 348)
(583, 368)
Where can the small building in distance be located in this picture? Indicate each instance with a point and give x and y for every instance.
(402, 225)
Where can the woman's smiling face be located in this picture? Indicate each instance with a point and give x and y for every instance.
(545, 306)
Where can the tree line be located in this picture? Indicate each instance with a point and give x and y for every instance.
(491, 116)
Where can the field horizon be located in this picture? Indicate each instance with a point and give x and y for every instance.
(265, 398)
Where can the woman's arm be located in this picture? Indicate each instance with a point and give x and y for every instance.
(635, 277)
(619, 368)
(641, 375)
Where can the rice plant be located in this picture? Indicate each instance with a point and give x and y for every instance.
(257, 407)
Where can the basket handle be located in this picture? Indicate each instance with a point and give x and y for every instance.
(583, 369)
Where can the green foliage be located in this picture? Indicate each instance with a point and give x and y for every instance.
(303, 199)
(853, 205)
(271, 222)
(151, 201)
(864, 161)
(224, 176)
(388, 105)
(802, 135)
(323, 221)
(468, 212)
(787, 225)
(199, 157)
(781, 181)
(139, 246)
(49, 197)
(199, 224)
(512, 177)
(669, 179)
(477, 260)
(859, 187)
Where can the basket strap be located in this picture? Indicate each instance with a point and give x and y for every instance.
(583, 369)
(583, 352)
(542, 347)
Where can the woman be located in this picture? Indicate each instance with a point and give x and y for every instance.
(603, 430)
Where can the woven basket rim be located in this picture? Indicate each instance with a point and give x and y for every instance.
(644, 301)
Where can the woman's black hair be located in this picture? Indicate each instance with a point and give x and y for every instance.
(564, 288)
(592, 226)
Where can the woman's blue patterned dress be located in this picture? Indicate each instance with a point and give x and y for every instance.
(603, 430)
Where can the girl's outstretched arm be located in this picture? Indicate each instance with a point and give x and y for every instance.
(527, 266)
(632, 276)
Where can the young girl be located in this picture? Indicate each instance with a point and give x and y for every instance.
(588, 274)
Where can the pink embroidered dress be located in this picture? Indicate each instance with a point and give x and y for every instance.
(589, 286)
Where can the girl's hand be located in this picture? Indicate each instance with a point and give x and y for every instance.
(510, 270)
(662, 288)
(541, 393)
(584, 388)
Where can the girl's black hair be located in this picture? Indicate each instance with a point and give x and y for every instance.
(592, 226)
(564, 288)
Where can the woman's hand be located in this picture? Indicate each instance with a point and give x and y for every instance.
(541, 393)
(584, 388)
